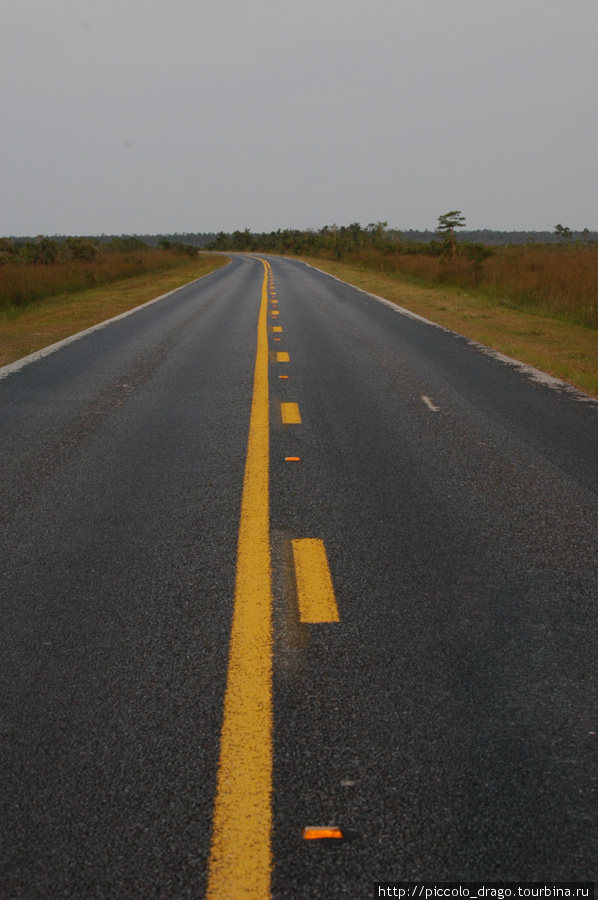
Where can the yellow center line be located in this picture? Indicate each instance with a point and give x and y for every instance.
(241, 857)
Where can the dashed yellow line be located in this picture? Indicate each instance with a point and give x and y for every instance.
(290, 414)
(315, 593)
(282, 356)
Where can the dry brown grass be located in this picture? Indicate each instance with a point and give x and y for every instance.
(23, 283)
(563, 349)
(561, 280)
(23, 331)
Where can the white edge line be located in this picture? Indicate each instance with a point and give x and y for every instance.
(525, 369)
(52, 348)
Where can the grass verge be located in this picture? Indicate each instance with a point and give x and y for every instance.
(553, 345)
(23, 331)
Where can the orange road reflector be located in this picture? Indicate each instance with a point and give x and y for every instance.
(292, 459)
(277, 339)
(283, 376)
(318, 832)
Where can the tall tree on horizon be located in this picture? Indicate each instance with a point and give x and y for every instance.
(446, 228)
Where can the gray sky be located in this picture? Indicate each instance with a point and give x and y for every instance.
(149, 116)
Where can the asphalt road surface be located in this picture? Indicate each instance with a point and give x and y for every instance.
(447, 723)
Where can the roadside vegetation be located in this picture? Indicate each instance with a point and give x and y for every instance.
(66, 296)
(32, 271)
(558, 278)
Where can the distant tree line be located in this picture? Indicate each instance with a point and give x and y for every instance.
(195, 239)
(338, 241)
(332, 239)
(44, 250)
(487, 236)
(47, 251)
(335, 241)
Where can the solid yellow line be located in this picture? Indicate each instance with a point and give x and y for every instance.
(315, 592)
(241, 858)
(290, 414)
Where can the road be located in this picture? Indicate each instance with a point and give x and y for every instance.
(447, 721)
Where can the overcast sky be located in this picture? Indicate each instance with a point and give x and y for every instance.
(149, 116)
